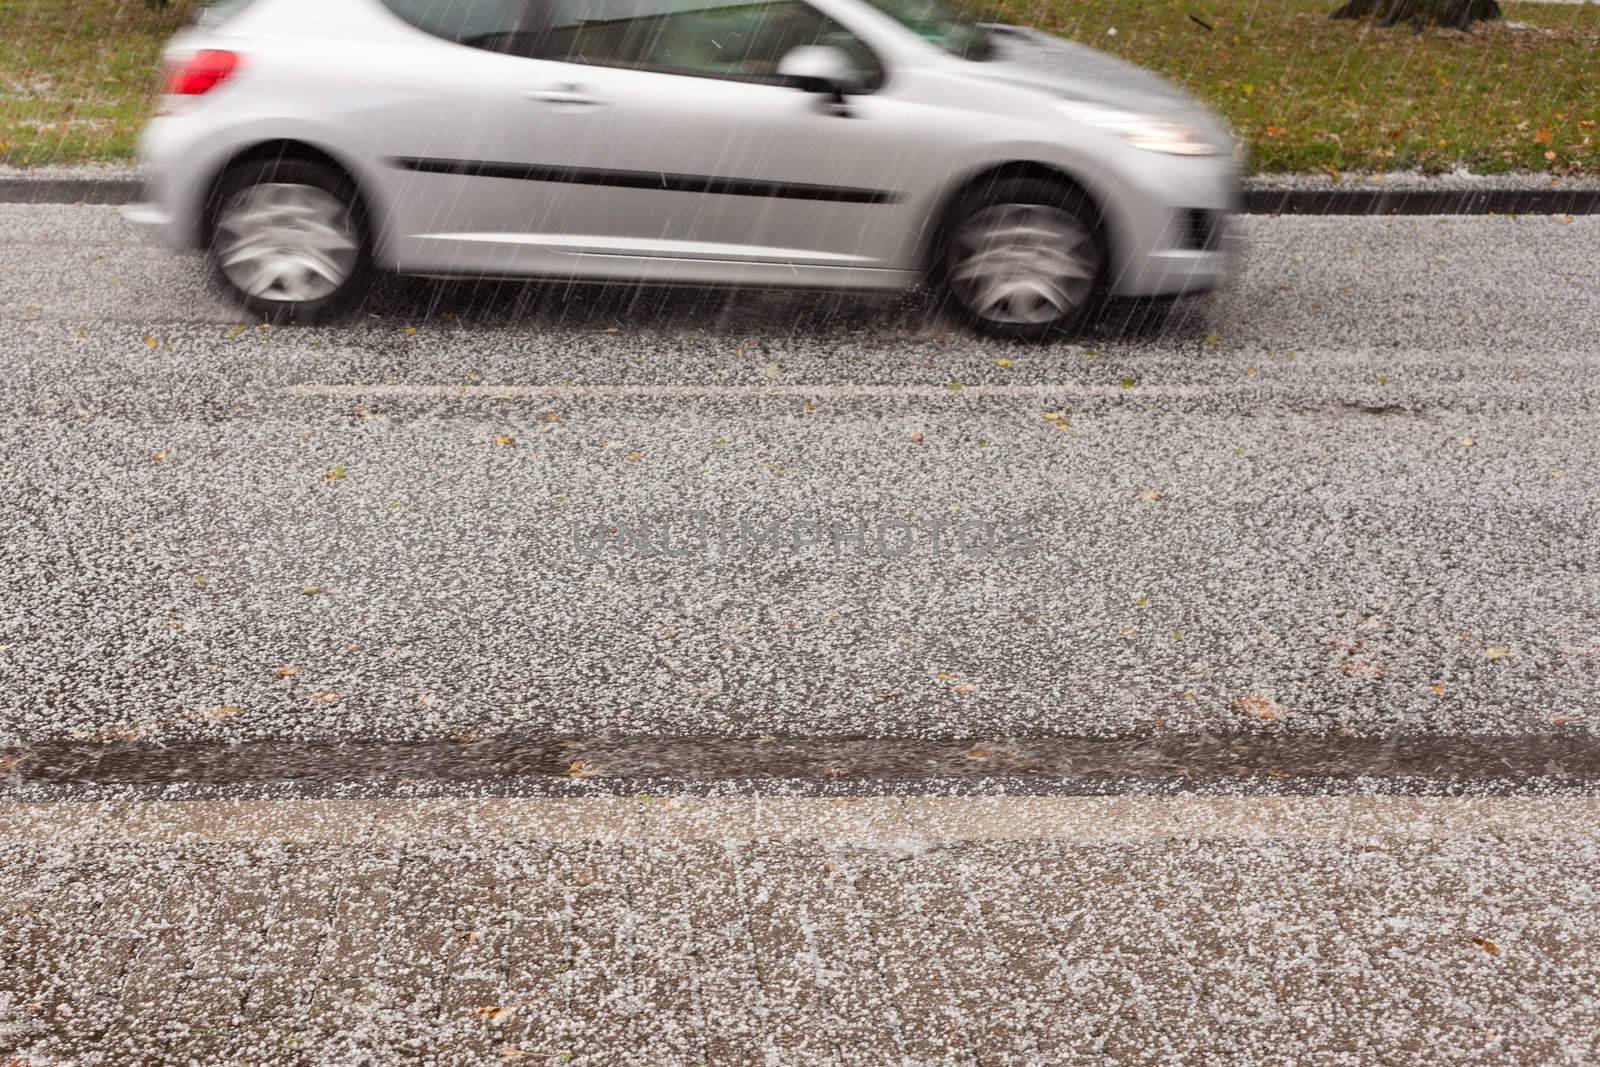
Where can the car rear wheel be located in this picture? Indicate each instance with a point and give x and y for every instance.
(1025, 260)
(289, 239)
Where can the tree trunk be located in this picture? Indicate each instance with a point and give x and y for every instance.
(1453, 14)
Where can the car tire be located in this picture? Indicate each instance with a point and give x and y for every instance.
(1024, 259)
(289, 239)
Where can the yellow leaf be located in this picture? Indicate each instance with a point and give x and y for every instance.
(151, 342)
(633, 456)
(159, 457)
(508, 442)
(1261, 707)
(1544, 136)
(1467, 442)
(335, 475)
(1497, 652)
(314, 590)
(1436, 689)
(1005, 362)
(411, 331)
(580, 769)
(287, 672)
(227, 711)
(1149, 495)
(945, 676)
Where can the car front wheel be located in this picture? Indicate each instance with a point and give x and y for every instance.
(288, 239)
(1025, 260)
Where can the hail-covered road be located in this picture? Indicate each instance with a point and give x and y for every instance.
(312, 642)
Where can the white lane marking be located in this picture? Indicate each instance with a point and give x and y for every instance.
(516, 392)
(848, 820)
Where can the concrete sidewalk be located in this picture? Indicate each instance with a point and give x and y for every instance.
(739, 930)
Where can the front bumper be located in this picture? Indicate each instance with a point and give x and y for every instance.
(1173, 227)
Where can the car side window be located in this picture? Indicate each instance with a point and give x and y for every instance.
(737, 39)
(491, 24)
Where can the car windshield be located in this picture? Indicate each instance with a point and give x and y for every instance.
(948, 25)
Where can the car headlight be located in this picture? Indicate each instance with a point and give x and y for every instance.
(1143, 131)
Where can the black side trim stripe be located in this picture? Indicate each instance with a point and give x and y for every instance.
(648, 179)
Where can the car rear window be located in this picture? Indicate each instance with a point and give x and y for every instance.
(490, 24)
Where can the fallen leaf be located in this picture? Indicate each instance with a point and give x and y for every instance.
(916, 438)
(1149, 495)
(286, 672)
(505, 441)
(965, 689)
(1543, 135)
(1437, 690)
(159, 457)
(1488, 946)
(1261, 707)
(580, 769)
(1467, 442)
(1005, 362)
(978, 753)
(1497, 652)
(325, 698)
(633, 456)
(227, 711)
(1565, 720)
(335, 475)
(314, 590)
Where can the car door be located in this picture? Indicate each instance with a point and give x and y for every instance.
(653, 139)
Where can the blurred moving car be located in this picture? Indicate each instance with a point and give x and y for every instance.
(848, 144)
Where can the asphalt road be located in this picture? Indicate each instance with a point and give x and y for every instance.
(1356, 492)
(1330, 531)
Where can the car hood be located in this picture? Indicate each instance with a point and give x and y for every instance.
(1025, 57)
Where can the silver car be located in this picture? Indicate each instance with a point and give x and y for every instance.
(841, 144)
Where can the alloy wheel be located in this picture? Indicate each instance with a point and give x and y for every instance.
(286, 242)
(1023, 264)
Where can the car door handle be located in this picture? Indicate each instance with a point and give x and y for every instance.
(565, 94)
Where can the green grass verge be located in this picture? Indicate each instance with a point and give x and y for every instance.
(77, 79)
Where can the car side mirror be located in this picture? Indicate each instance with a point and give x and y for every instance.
(819, 68)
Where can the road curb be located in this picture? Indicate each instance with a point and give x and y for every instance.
(1504, 201)
(1258, 200)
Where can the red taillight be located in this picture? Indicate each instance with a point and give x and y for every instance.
(201, 72)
